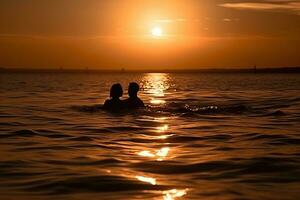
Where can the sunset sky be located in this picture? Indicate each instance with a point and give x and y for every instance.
(149, 34)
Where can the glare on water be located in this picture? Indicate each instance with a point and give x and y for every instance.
(150, 180)
(162, 128)
(159, 155)
(155, 85)
(174, 194)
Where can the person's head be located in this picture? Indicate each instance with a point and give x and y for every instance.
(116, 91)
(133, 89)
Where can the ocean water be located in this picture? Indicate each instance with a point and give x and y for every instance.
(202, 136)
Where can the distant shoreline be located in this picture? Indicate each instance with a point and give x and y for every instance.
(204, 70)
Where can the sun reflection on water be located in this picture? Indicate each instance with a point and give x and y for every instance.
(150, 180)
(163, 137)
(173, 194)
(163, 128)
(168, 194)
(157, 101)
(155, 84)
(160, 154)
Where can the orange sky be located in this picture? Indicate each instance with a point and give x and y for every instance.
(118, 33)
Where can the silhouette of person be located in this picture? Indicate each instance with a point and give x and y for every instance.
(114, 103)
(133, 102)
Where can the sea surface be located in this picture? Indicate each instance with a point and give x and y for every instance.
(203, 136)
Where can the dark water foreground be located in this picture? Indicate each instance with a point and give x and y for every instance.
(203, 136)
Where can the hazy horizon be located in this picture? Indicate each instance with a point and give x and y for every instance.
(149, 69)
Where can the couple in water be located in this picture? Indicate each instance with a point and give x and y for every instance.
(116, 104)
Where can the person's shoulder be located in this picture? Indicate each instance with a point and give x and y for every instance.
(141, 103)
(107, 103)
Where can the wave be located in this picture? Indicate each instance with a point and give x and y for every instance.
(238, 166)
(98, 183)
(35, 133)
(190, 111)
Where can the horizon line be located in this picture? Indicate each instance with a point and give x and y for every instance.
(124, 70)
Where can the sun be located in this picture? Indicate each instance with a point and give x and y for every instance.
(157, 32)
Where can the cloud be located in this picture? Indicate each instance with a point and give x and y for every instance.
(267, 5)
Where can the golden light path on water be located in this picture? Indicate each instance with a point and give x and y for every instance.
(162, 128)
(168, 194)
(162, 153)
(155, 85)
(173, 194)
(150, 180)
(159, 155)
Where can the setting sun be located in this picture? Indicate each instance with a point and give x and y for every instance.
(157, 32)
